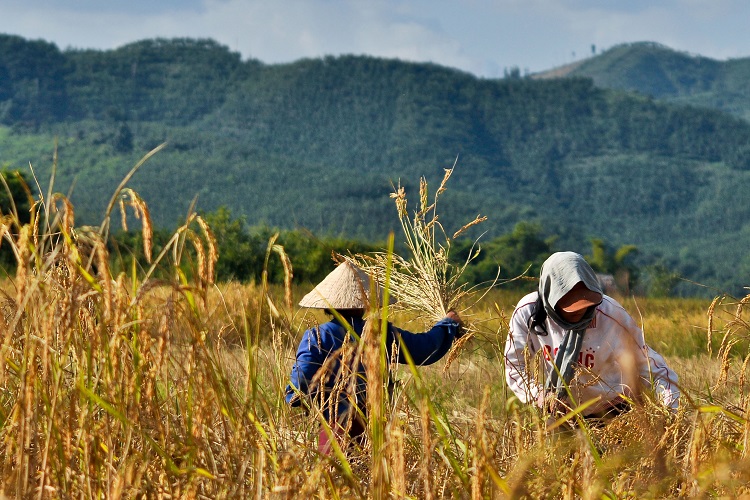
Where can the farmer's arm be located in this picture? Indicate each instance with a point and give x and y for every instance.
(310, 357)
(517, 347)
(652, 367)
(428, 347)
(665, 379)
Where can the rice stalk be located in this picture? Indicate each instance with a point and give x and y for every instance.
(479, 452)
(90, 380)
(427, 281)
(710, 329)
(213, 252)
(129, 197)
(396, 458)
(746, 431)
(288, 275)
(118, 191)
(376, 402)
(13, 209)
(425, 462)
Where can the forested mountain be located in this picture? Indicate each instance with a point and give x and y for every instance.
(319, 143)
(658, 71)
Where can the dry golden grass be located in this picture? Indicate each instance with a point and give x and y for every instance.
(125, 386)
(162, 405)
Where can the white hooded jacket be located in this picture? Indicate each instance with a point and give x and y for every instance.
(614, 359)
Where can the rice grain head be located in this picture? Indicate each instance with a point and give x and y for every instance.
(396, 458)
(423, 194)
(213, 252)
(68, 218)
(147, 231)
(456, 349)
(200, 254)
(288, 275)
(710, 329)
(141, 212)
(477, 220)
(400, 198)
(446, 175)
(36, 210)
(24, 258)
(123, 214)
(102, 266)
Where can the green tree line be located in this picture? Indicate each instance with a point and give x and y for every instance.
(515, 257)
(318, 143)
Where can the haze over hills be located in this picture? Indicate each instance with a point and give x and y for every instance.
(319, 143)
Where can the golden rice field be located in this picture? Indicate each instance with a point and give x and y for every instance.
(159, 383)
(123, 386)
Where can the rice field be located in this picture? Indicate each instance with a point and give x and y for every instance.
(129, 385)
(179, 394)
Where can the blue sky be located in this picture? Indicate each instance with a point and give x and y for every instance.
(483, 37)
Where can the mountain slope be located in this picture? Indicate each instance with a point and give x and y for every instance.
(320, 143)
(658, 71)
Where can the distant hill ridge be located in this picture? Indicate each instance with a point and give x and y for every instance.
(319, 143)
(663, 73)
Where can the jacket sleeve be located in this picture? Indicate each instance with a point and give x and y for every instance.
(665, 379)
(516, 348)
(428, 347)
(653, 369)
(310, 357)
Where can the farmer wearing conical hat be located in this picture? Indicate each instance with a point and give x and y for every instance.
(320, 376)
(592, 349)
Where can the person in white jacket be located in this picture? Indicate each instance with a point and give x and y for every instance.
(569, 339)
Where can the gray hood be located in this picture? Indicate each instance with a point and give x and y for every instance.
(560, 273)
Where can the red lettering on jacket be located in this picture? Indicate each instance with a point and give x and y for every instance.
(589, 363)
(547, 352)
(585, 359)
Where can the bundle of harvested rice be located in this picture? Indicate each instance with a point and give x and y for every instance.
(426, 281)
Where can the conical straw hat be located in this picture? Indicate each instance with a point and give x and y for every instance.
(346, 287)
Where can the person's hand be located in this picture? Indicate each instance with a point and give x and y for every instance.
(541, 399)
(548, 402)
(453, 315)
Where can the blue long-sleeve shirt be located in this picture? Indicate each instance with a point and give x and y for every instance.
(319, 343)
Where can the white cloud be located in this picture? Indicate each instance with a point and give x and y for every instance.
(308, 29)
